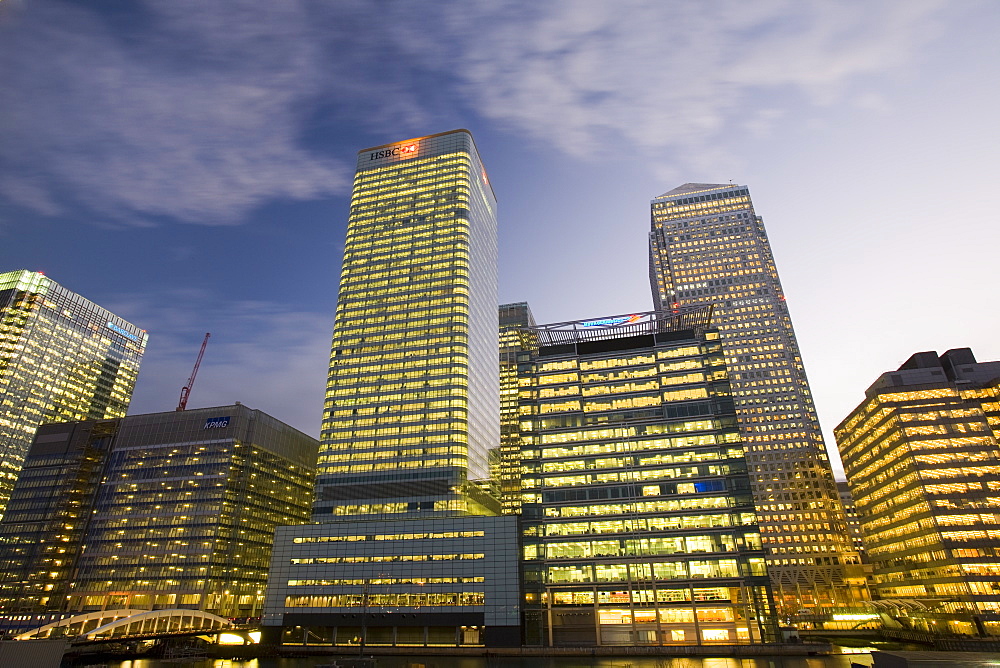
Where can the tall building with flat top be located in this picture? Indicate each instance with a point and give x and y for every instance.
(412, 405)
(62, 358)
(708, 246)
(408, 548)
(922, 457)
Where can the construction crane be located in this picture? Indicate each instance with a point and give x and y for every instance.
(186, 390)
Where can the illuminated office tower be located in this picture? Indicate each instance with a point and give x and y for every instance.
(412, 401)
(707, 246)
(406, 519)
(516, 322)
(922, 457)
(165, 510)
(639, 522)
(62, 358)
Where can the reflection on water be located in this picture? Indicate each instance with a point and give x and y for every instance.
(836, 661)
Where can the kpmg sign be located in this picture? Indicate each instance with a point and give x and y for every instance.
(612, 322)
(217, 423)
(396, 150)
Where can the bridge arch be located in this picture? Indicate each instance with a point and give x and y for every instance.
(106, 624)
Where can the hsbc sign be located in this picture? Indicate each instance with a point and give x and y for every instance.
(396, 150)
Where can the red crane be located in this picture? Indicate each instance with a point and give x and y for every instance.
(186, 390)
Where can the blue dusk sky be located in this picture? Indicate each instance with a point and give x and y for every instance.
(187, 164)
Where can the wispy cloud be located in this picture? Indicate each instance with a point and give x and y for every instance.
(196, 111)
(262, 354)
(663, 75)
(154, 120)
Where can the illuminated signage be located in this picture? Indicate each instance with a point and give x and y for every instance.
(612, 322)
(118, 330)
(216, 423)
(396, 150)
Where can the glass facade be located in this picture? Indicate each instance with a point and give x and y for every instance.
(708, 246)
(43, 531)
(167, 510)
(922, 457)
(853, 522)
(639, 523)
(515, 340)
(407, 548)
(62, 358)
(411, 410)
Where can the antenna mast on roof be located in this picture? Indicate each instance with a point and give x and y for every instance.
(186, 390)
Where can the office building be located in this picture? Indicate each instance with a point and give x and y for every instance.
(62, 358)
(441, 581)
(638, 515)
(166, 510)
(922, 457)
(516, 322)
(408, 549)
(708, 246)
(412, 402)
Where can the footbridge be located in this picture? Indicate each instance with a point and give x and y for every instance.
(126, 624)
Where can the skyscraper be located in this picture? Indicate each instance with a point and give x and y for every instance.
(62, 358)
(922, 457)
(413, 392)
(638, 518)
(407, 524)
(707, 246)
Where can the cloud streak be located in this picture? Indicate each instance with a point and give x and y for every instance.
(153, 123)
(660, 74)
(196, 111)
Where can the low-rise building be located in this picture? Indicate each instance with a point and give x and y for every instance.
(450, 581)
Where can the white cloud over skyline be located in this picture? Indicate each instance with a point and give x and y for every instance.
(132, 126)
(655, 75)
(197, 111)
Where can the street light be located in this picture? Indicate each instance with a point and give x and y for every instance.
(253, 608)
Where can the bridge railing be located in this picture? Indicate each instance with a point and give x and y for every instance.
(105, 624)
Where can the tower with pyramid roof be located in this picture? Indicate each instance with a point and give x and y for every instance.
(708, 246)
